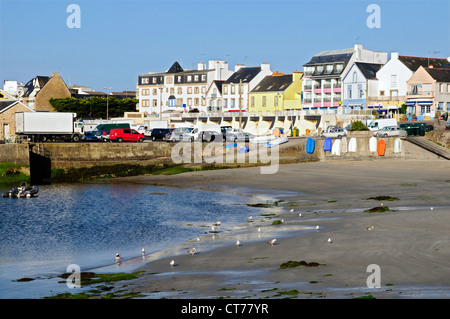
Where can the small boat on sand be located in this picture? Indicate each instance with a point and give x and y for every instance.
(22, 191)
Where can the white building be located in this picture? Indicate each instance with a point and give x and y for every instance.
(246, 78)
(322, 78)
(177, 89)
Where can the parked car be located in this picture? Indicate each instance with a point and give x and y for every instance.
(92, 137)
(179, 134)
(125, 135)
(159, 133)
(389, 131)
(334, 131)
(239, 137)
(211, 136)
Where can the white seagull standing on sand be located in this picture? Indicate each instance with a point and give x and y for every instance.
(272, 242)
(259, 229)
(250, 218)
(431, 208)
(329, 240)
(198, 238)
(292, 210)
(118, 257)
(172, 263)
(299, 214)
(192, 251)
(317, 227)
(370, 228)
(238, 243)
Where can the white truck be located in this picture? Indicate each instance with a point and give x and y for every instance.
(194, 135)
(44, 126)
(378, 124)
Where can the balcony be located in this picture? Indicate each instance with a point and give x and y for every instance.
(307, 87)
(419, 94)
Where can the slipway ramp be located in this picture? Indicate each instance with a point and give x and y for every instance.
(429, 146)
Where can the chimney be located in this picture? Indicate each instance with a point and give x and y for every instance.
(238, 66)
(201, 66)
(394, 55)
(265, 66)
(55, 74)
(358, 49)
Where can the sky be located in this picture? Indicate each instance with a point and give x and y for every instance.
(118, 40)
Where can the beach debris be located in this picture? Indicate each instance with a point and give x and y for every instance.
(329, 240)
(172, 263)
(378, 209)
(277, 222)
(293, 264)
(385, 198)
(272, 242)
(192, 251)
(118, 257)
(370, 228)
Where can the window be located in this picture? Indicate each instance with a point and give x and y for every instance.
(225, 89)
(393, 81)
(204, 90)
(355, 77)
(381, 93)
(180, 79)
(196, 78)
(233, 103)
(349, 92)
(172, 90)
(360, 91)
(196, 90)
(203, 101)
(339, 67)
(155, 91)
(180, 90)
(179, 102)
(145, 103)
(225, 103)
(264, 102)
(232, 89)
(189, 90)
(414, 89)
(319, 69)
(275, 100)
(145, 92)
(145, 81)
(329, 68)
(169, 80)
(154, 80)
(448, 106)
(196, 101)
(189, 78)
(155, 102)
(440, 106)
(427, 88)
(442, 88)
(252, 101)
(189, 101)
(203, 77)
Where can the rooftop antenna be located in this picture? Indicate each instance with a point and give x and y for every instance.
(228, 56)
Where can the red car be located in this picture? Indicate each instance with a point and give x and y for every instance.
(125, 134)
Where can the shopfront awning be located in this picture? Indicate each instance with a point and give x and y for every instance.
(419, 102)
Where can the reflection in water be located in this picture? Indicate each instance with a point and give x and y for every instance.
(88, 224)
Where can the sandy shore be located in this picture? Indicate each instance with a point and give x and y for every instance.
(410, 244)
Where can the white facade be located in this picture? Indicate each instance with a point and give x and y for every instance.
(392, 78)
(179, 91)
(230, 89)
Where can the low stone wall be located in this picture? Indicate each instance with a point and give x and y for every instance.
(440, 136)
(16, 153)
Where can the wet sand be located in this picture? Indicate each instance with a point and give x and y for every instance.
(410, 243)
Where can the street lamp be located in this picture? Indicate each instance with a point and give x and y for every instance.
(107, 104)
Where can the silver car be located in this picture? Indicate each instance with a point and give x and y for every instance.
(179, 134)
(389, 131)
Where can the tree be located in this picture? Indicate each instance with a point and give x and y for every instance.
(95, 106)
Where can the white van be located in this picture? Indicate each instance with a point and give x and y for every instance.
(379, 124)
(194, 134)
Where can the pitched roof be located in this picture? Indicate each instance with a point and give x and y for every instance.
(331, 56)
(414, 62)
(175, 68)
(440, 75)
(218, 84)
(29, 87)
(246, 74)
(273, 83)
(369, 70)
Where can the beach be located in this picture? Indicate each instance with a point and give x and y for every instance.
(409, 243)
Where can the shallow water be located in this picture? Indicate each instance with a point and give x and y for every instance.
(88, 224)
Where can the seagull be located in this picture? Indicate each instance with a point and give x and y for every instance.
(192, 251)
(370, 228)
(381, 204)
(172, 263)
(329, 240)
(272, 242)
(249, 218)
(118, 257)
(143, 251)
(317, 227)
(213, 228)
(217, 224)
(198, 238)
(299, 214)
(292, 210)
(431, 208)
(238, 243)
(259, 229)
